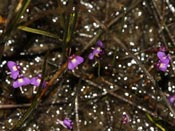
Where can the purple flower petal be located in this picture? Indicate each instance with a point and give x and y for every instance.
(97, 51)
(91, 56)
(36, 81)
(22, 81)
(16, 84)
(161, 54)
(14, 75)
(125, 119)
(74, 61)
(100, 44)
(163, 57)
(26, 81)
(171, 99)
(10, 65)
(71, 66)
(164, 60)
(68, 123)
(14, 69)
(162, 66)
(79, 59)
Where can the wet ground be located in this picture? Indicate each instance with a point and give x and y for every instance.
(40, 37)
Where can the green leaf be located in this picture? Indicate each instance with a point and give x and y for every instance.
(40, 32)
(156, 124)
(14, 21)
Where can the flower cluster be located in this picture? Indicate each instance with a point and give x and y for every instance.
(164, 60)
(75, 60)
(20, 80)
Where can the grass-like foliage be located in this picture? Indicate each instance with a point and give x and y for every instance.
(87, 65)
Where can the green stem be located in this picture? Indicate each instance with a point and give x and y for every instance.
(99, 69)
(156, 124)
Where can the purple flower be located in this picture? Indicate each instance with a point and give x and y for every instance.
(14, 69)
(74, 61)
(97, 51)
(163, 57)
(171, 99)
(68, 123)
(21, 81)
(125, 118)
(162, 66)
(163, 62)
(36, 81)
